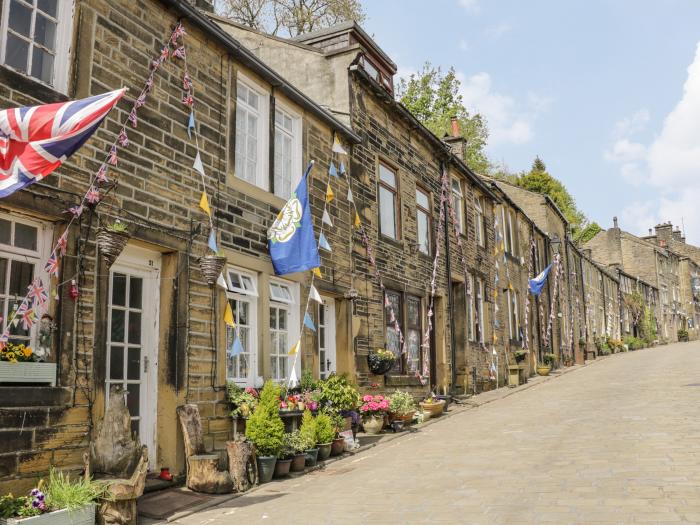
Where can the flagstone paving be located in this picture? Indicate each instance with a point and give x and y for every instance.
(616, 442)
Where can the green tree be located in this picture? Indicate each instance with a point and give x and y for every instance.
(434, 98)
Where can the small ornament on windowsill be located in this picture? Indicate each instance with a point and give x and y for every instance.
(73, 291)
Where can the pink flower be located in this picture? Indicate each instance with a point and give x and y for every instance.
(364, 408)
(367, 398)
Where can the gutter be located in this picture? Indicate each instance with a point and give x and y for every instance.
(248, 58)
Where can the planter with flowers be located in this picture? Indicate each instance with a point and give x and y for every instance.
(373, 410)
(297, 444)
(402, 407)
(432, 406)
(19, 364)
(62, 502)
(242, 401)
(380, 361)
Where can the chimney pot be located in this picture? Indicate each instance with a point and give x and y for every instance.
(614, 222)
(455, 127)
(650, 231)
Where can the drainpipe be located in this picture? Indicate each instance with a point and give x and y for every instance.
(571, 306)
(450, 298)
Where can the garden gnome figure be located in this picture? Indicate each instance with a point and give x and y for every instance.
(46, 327)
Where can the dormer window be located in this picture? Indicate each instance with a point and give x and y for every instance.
(373, 70)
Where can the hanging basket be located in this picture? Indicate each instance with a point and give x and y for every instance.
(379, 366)
(212, 266)
(111, 244)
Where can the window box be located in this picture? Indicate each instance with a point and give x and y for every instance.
(27, 373)
(82, 516)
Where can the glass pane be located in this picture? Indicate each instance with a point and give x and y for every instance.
(413, 312)
(423, 234)
(116, 362)
(242, 92)
(242, 365)
(392, 341)
(422, 199)
(25, 236)
(133, 364)
(413, 344)
(132, 400)
(119, 289)
(283, 367)
(17, 52)
(253, 99)
(235, 279)
(117, 334)
(273, 343)
(282, 346)
(48, 6)
(2, 314)
(273, 364)
(21, 275)
(394, 301)
(387, 176)
(456, 188)
(243, 313)
(134, 328)
(135, 289)
(3, 275)
(247, 284)
(45, 32)
(20, 18)
(273, 317)
(282, 319)
(5, 231)
(42, 65)
(387, 214)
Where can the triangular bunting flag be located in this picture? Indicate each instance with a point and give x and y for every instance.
(212, 241)
(222, 282)
(323, 243)
(198, 164)
(357, 220)
(332, 171)
(236, 346)
(190, 125)
(308, 322)
(204, 204)
(228, 316)
(350, 198)
(327, 218)
(313, 294)
(337, 146)
(293, 380)
(317, 272)
(342, 168)
(295, 348)
(329, 194)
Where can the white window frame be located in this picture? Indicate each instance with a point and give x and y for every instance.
(426, 211)
(480, 301)
(479, 215)
(296, 167)
(37, 257)
(395, 201)
(64, 32)
(506, 238)
(250, 296)
(262, 176)
(457, 196)
(292, 308)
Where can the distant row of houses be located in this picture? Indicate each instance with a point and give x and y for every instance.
(265, 106)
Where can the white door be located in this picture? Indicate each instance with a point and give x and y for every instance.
(132, 338)
(326, 337)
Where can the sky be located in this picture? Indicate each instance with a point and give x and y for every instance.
(606, 92)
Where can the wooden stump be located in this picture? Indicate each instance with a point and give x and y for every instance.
(203, 475)
(241, 464)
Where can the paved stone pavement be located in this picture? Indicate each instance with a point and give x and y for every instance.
(615, 442)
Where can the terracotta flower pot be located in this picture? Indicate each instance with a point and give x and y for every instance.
(311, 457)
(432, 409)
(266, 468)
(338, 446)
(324, 450)
(282, 467)
(298, 462)
(373, 424)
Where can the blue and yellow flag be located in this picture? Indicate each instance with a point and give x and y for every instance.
(291, 239)
(537, 283)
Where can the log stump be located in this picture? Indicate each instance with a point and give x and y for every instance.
(241, 464)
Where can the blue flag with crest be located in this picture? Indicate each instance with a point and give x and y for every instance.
(291, 239)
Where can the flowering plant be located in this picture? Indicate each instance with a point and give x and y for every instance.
(311, 399)
(242, 401)
(431, 399)
(17, 353)
(374, 405)
(401, 403)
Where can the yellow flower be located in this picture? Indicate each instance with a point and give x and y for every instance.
(11, 356)
(27, 351)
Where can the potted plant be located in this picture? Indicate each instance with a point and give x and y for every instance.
(545, 367)
(683, 335)
(373, 410)
(325, 433)
(111, 240)
(19, 364)
(380, 361)
(402, 407)
(338, 394)
(432, 406)
(242, 402)
(338, 444)
(297, 444)
(266, 430)
(308, 434)
(211, 266)
(284, 457)
(520, 355)
(63, 502)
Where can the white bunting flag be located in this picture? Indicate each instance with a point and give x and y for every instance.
(222, 282)
(327, 218)
(198, 164)
(313, 293)
(350, 199)
(293, 380)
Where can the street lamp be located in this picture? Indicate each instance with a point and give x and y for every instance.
(555, 243)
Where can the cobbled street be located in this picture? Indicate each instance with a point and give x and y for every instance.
(614, 442)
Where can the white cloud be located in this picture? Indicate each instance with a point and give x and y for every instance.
(471, 6)
(495, 32)
(508, 121)
(670, 165)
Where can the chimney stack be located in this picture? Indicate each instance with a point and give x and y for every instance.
(615, 222)
(649, 232)
(455, 127)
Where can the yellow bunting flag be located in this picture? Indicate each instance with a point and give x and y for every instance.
(295, 348)
(495, 338)
(329, 194)
(317, 272)
(228, 316)
(204, 203)
(510, 286)
(337, 146)
(357, 220)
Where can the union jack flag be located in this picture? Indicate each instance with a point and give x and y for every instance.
(52, 264)
(36, 140)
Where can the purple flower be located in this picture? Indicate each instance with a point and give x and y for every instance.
(35, 492)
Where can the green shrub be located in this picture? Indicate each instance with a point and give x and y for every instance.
(308, 429)
(337, 392)
(296, 442)
(265, 427)
(325, 429)
(550, 359)
(401, 403)
(307, 382)
(682, 335)
(65, 493)
(634, 343)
